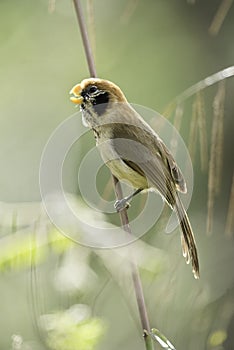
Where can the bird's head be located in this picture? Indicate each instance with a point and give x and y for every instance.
(96, 95)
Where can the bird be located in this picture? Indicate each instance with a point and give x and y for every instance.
(134, 152)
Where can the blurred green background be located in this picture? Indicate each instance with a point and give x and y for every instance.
(154, 50)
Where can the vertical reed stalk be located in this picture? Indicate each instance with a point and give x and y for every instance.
(123, 214)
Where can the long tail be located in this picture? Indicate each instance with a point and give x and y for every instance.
(188, 243)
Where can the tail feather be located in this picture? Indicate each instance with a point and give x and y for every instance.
(188, 242)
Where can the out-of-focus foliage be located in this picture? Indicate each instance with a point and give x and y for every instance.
(22, 249)
(64, 332)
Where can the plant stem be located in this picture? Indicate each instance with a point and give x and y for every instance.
(135, 274)
(85, 38)
(119, 194)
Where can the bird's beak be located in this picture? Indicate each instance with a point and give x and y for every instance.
(76, 92)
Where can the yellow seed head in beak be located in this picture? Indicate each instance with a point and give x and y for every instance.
(76, 91)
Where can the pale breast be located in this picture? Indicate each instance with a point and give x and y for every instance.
(126, 174)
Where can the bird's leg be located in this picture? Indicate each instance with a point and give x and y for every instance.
(120, 204)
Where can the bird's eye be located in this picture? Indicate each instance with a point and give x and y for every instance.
(92, 89)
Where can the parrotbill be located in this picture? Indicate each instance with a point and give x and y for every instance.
(134, 152)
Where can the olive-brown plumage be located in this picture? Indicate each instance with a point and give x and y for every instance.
(133, 151)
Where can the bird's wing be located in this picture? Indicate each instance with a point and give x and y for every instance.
(130, 125)
(137, 129)
(174, 169)
(139, 149)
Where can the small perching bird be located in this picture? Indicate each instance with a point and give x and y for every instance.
(133, 151)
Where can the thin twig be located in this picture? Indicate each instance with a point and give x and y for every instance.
(91, 26)
(203, 84)
(220, 16)
(123, 214)
(135, 274)
(85, 38)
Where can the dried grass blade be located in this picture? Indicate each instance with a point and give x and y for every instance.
(215, 156)
(202, 131)
(229, 229)
(220, 134)
(220, 16)
(177, 124)
(192, 141)
(203, 84)
(51, 6)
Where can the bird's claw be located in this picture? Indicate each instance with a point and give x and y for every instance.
(121, 204)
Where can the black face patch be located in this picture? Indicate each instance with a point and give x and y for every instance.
(100, 102)
(98, 98)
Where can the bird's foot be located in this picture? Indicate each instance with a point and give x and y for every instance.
(121, 204)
